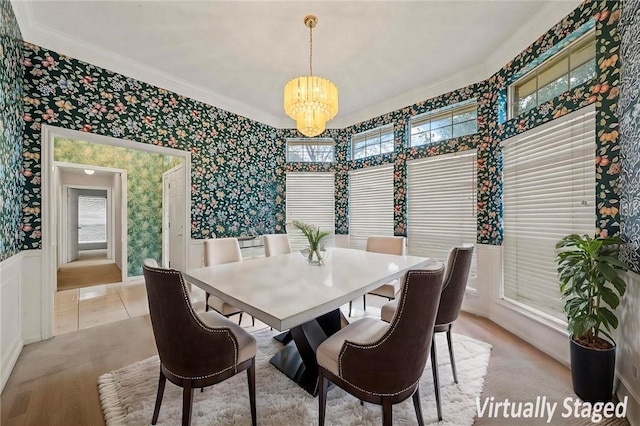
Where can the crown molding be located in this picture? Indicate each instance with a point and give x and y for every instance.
(545, 19)
(42, 35)
(461, 79)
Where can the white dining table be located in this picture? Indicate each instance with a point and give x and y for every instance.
(286, 292)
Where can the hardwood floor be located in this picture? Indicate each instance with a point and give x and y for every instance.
(54, 382)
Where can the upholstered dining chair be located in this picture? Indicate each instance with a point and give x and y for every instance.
(275, 244)
(455, 283)
(218, 251)
(382, 363)
(195, 351)
(387, 245)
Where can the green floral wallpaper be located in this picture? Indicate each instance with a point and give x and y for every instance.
(11, 124)
(144, 192)
(629, 111)
(233, 159)
(493, 126)
(239, 165)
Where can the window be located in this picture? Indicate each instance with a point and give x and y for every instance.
(442, 206)
(573, 66)
(370, 204)
(445, 123)
(549, 192)
(310, 150)
(372, 142)
(92, 219)
(310, 198)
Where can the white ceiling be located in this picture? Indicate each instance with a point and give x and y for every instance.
(238, 55)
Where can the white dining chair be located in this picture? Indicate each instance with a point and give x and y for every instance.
(218, 251)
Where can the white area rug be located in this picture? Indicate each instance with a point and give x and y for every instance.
(128, 394)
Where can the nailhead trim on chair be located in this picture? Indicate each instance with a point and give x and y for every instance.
(203, 326)
(382, 339)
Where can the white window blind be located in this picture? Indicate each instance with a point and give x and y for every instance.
(370, 204)
(310, 198)
(92, 219)
(442, 206)
(549, 192)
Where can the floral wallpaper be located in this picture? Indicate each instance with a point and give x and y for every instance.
(629, 111)
(493, 127)
(234, 159)
(11, 179)
(239, 165)
(144, 192)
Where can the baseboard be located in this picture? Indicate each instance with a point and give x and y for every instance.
(32, 339)
(12, 354)
(633, 404)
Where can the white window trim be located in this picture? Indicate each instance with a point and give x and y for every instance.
(381, 130)
(511, 91)
(310, 142)
(452, 109)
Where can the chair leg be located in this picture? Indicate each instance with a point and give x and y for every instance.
(364, 302)
(453, 360)
(206, 302)
(251, 378)
(240, 319)
(187, 402)
(161, 382)
(416, 405)
(387, 412)
(436, 379)
(253, 321)
(322, 398)
(350, 307)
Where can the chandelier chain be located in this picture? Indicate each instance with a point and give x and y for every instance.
(311, 50)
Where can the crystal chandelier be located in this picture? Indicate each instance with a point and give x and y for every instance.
(311, 100)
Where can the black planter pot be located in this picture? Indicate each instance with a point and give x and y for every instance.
(592, 372)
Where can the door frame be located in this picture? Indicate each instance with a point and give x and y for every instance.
(50, 215)
(111, 205)
(166, 258)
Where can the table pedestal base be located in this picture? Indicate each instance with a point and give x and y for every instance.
(297, 360)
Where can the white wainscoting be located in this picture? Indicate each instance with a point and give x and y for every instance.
(10, 315)
(21, 310)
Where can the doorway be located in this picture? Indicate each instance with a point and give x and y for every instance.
(52, 219)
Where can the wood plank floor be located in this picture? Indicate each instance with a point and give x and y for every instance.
(54, 382)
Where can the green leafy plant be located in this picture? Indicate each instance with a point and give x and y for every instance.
(314, 236)
(589, 272)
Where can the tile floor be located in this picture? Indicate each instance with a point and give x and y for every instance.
(86, 307)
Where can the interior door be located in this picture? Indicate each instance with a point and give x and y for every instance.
(72, 224)
(175, 220)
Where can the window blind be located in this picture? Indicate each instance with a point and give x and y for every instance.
(92, 219)
(442, 206)
(310, 198)
(549, 192)
(370, 204)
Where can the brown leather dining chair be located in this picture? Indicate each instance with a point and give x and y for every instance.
(218, 251)
(195, 351)
(455, 283)
(382, 363)
(386, 245)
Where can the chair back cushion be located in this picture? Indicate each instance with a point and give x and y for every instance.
(395, 362)
(386, 245)
(275, 244)
(221, 250)
(455, 284)
(186, 346)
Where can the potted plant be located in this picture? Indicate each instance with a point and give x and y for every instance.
(589, 272)
(315, 252)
